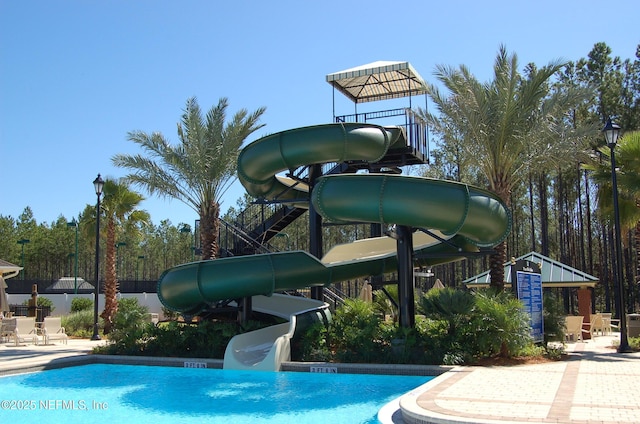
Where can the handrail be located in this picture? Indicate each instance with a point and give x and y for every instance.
(416, 128)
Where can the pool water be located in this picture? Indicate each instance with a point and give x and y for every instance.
(148, 394)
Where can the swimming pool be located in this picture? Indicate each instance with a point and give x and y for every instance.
(107, 393)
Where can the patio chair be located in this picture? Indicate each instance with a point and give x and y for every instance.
(7, 328)
(25, 330)
(53, 330)
(606, 323)
(596, 325)
(573, 324)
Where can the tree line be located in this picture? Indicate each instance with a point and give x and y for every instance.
(532, 135)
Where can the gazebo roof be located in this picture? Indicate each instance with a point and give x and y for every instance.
(379, 80)
(553, 274)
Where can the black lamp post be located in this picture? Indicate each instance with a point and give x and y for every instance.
(611, 132)
(98, 184)
(186, 229)
(140, 257)
(118, 259)
(22, 242)
(74, 223)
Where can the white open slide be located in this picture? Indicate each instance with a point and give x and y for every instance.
(266, 349)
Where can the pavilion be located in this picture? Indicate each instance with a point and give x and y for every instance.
(554, 274)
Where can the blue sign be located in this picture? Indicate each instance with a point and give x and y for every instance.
(527, 286)
(530, 293)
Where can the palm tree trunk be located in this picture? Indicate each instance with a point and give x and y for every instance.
(497, 260)
(110, 281)
(637, 245)
(209, 230)
(496, 266)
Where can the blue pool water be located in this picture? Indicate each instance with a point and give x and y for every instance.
(145, 394)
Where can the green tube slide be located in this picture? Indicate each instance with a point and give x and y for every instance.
(464, 216)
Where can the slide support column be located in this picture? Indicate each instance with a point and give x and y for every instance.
(246, 306)
(404, 244)
(315, 227)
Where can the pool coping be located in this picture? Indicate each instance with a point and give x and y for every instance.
(182, 362)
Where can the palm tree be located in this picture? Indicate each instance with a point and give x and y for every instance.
(496, 121)
(627, 153)
(199, 170)
(451, 305)
(119, 207)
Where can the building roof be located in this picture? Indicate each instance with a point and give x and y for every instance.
(553, 274)
(8, 270)
(67, 284)
(380, 80)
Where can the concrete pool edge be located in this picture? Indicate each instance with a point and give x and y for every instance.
(183, 362)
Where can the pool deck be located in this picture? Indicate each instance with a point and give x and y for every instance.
(595, 385)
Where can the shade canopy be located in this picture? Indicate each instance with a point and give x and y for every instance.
(552, 273)
(380, 80)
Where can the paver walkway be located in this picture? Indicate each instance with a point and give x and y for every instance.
(596, 385)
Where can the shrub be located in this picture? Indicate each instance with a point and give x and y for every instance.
(42, 302)
(354, 333)
(634, 343)
(81, 304)
(206, 339)
(129, 326)
(80, 324)
(553, 315)
(500, 324)
(451, 305)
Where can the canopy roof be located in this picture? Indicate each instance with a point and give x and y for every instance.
(380, 80)
(66, 284)
(8, 270)
(553, 274)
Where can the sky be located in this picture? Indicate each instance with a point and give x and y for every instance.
(77, 76)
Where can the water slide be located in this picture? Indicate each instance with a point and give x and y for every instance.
(459, 218)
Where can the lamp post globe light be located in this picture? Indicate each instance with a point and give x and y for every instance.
(98, 183)
(611, 133)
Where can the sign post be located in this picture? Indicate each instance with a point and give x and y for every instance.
(526, 282)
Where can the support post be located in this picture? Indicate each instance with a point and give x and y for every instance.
(404, 245)
(246, 308)
(315, 228)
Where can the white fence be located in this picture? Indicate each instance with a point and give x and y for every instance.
(62, 302)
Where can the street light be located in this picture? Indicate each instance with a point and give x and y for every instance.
(611, 133)
(74, 223)
(98, 183)
(186, 229)
(23, 241)
(138, 267)
(118, 260)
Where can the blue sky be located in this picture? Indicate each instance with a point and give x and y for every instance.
(76, 76)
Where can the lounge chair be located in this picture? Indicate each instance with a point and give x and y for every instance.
(7, 328)
(53, 330)
(574, 329)
(25, 330)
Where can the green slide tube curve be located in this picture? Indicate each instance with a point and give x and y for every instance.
(260, 161)
(453, 208)
(469, 217)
